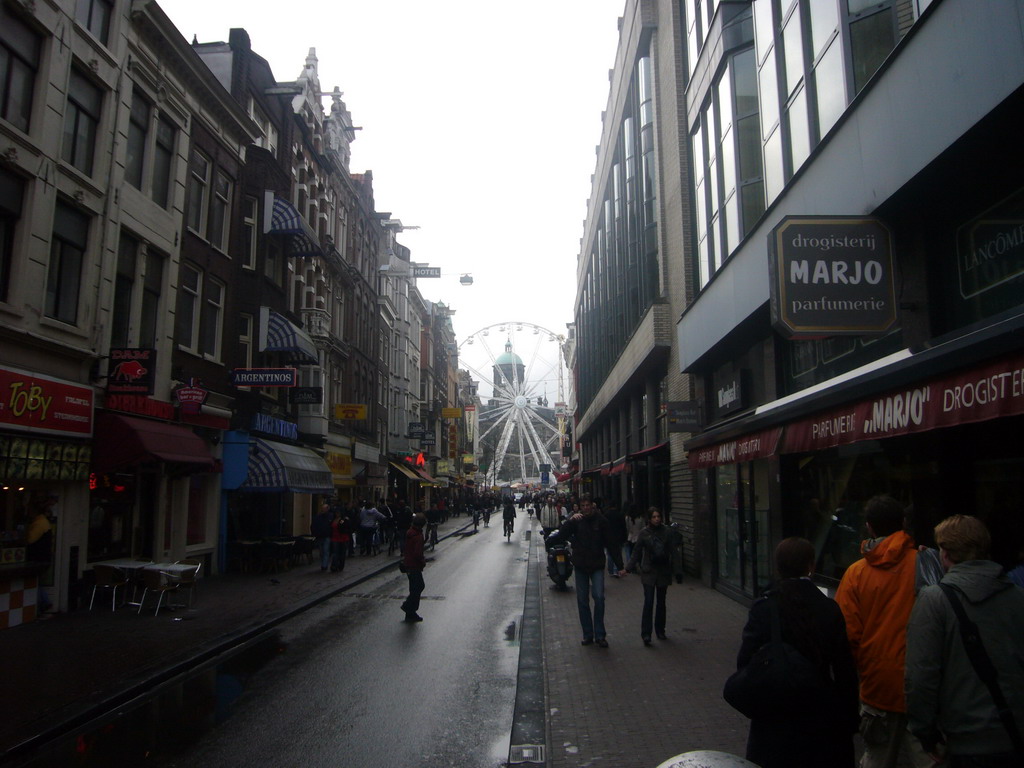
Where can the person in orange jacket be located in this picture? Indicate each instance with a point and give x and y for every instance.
(876, 595)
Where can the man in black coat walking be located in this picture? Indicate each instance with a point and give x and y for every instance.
(590, 535)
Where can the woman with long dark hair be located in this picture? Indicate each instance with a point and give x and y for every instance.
(818, 734)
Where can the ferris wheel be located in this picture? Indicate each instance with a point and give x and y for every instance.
(521, 372)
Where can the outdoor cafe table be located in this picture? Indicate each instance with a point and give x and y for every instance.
(127, 564)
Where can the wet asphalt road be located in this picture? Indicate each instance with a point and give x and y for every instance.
(353, 685)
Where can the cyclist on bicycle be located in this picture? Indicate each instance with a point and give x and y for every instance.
(508, 517)
(433, 520)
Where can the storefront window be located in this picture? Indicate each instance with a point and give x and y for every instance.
(741, 507)
(110, 516)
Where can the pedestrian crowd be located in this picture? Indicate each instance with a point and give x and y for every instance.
(921, 651)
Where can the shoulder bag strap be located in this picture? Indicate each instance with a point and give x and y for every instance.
(983, 666)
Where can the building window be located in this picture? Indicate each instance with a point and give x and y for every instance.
(138, 131)
(245, 340)
(220, 212)
(268, 133)
(872, 38)
(198, 186)
(19, 61)
(11, 193)
(211, 319)
(250, 226)
(67, 254)
(81, 120)
(95, 16)
(163, 161)
(152, 290)
(124, 286)
(151, 151)
(200, 315)
(135, 316)
(187, 318)
(274, 260)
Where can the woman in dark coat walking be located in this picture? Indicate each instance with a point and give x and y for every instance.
(820, 733)
(654, 553)
(413, 562)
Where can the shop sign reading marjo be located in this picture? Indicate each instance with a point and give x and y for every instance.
(831, 275)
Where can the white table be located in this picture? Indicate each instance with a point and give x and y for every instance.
(130, 565)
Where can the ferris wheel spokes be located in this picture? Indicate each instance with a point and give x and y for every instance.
(506, 435)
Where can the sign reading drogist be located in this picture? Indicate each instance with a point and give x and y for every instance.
(831, 276)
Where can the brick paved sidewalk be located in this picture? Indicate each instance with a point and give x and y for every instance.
(630, 706)
(59, 669)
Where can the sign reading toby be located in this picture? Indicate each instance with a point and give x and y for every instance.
(831, 276)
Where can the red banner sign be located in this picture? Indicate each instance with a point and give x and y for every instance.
(989, 392)
(30, 401)
(758, 445)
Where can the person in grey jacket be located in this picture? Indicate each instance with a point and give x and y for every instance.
(946, 700)
(654, 553)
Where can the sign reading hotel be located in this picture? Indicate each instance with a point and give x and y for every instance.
(831, 276)
(264, 377)
(41, 404)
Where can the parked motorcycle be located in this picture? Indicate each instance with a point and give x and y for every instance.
(559, 561)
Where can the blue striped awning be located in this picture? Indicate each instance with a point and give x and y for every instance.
(286, 220)
(280, 467)
(279, 334)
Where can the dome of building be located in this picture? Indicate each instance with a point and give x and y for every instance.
(508, 357)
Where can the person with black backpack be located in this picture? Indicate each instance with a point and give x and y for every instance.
(654, 554)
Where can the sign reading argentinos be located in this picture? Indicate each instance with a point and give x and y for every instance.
(831, 275)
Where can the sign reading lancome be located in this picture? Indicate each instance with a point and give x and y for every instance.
(830, 276)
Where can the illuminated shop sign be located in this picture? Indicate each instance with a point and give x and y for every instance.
(132, 371)
(37, 403)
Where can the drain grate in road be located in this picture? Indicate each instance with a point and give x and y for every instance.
(526, 753)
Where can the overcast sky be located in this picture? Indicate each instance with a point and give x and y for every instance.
(479, 121)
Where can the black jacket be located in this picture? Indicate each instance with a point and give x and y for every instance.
(821, 734)
(590, 535)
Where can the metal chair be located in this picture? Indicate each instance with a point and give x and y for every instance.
(108, 577)
(187, 580)
(156, 582)
(303, 548)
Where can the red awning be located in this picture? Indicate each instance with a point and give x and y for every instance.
(646, 451)
(991, 391)
(622, 466)
(758, 445)
(125, 441)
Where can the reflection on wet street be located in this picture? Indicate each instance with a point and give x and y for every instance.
(346, 680)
